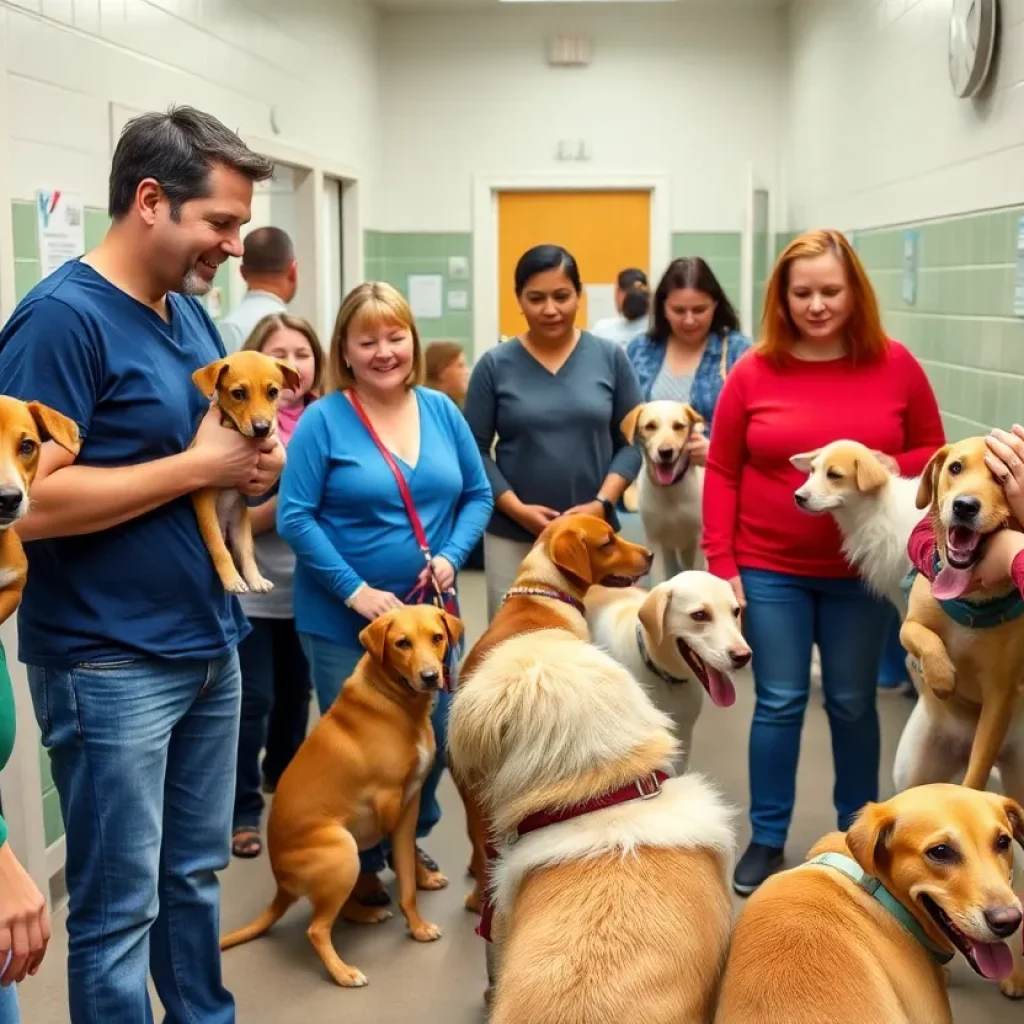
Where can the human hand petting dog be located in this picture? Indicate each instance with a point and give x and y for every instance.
(697, 447)
(372, 603)
(228, 459)
(535, 518)
(1006, 462)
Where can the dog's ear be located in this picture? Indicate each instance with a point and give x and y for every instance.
(292, 380)
(928, 487)
(869, 837)
(802, 462)
(1015, 816)
(55, 426)
(871, 475)
(628, 426)
(374, 637)
(653, 613)
(454, 626)
(208, 377)
(692, 416)
(568, 550)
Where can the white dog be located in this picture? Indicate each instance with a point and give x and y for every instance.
(874, 510)
(679, 639)
(670, 487)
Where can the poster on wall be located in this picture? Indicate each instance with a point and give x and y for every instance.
(60, 222)
(910, 244)
(1018, 289)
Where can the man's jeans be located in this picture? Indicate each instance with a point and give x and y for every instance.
(143, 756)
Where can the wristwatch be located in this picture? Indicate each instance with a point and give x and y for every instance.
(610, 515)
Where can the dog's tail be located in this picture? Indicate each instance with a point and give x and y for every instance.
(281, 902)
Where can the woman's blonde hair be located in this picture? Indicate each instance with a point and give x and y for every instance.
(376, 302)
(868, 340)
(266, 328)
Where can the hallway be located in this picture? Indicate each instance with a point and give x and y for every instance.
(279, 979)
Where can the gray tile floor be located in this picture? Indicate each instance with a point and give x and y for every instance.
(279, 980)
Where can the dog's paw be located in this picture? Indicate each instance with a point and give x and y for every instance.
(425, 932)
(258, 585)
(236, 585)
(350, 977)
(1013, 986)
(939, 674)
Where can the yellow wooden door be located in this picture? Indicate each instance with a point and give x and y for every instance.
(605, 231)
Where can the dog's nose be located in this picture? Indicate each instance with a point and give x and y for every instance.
(10, 501)
(966, 508)
(739, 658)
(430, 678)
(666, 454)
(1003, 921)
(260, 428)
(800, 499)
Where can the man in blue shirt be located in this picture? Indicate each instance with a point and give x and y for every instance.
(128, 636)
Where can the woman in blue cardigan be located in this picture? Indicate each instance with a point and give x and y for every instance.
(693, 343)
(341, 510)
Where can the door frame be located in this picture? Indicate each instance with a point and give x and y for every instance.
(486, 188)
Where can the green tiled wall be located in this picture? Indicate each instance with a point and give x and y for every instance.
(721, 249)
(392, 256)
(961, 325)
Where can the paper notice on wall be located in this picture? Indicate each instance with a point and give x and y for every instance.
(60, 220)
(1018, 290)
(600, 303)
(426, 296)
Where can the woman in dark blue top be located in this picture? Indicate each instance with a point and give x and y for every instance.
(341, 510)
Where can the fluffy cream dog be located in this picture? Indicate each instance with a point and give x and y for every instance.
(679, 639)
(669, 488)
(611, 884)
(874, 510)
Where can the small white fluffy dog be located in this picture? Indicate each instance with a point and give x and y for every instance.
(874, 510)
(679, 639)
(670, 488)
(605, 912)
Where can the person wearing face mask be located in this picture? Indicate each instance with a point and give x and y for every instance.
(633, 301)
(693, 343)
(824, 369)
(554, 397)
(341, 510)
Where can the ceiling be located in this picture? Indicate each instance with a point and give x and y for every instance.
(481, 5)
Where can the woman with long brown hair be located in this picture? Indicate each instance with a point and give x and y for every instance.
(824, 369)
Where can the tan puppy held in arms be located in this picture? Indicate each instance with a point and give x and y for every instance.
(969, 642)
(875, 511)
(355, 781)
(669, 488)
(611, 878)
(23, 428)
(862, 937)
(247, 386)
(679, 639)
(571, 555)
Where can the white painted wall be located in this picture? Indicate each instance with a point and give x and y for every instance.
(695, 95)
(312, 62)
(877, 136)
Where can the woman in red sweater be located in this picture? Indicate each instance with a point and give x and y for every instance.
(823, 370)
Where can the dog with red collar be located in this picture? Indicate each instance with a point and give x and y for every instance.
(598, 847)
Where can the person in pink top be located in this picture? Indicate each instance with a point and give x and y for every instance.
(276, 686)
(824, 369)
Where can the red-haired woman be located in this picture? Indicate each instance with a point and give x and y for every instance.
(823, 370)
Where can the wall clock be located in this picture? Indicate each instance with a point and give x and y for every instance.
(972, 41)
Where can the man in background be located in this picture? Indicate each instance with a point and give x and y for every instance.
(270, 271)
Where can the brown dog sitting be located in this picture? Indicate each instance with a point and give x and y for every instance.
(247, 386)
(860, 933)
(356, 781)
(23, 428)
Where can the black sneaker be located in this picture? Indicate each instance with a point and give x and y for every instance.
(756, 865)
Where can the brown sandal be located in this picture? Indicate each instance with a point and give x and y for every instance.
(246, 843)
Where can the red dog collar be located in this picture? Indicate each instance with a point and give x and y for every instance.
(645, 788)
(555, 595)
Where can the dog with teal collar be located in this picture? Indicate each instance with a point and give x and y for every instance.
(861, 932)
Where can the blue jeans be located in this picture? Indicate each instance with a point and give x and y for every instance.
(275, 711)
(143, 756)
(330, 664)
(893, 670)
(9, 1012)
(786, 615)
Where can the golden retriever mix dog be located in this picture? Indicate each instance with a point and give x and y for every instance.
(859, 934)
(570, 556)
(611, 878)
(969, 642)
(355, 781)
(679, 640)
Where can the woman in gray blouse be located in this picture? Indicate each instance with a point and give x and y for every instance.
(552, 399)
